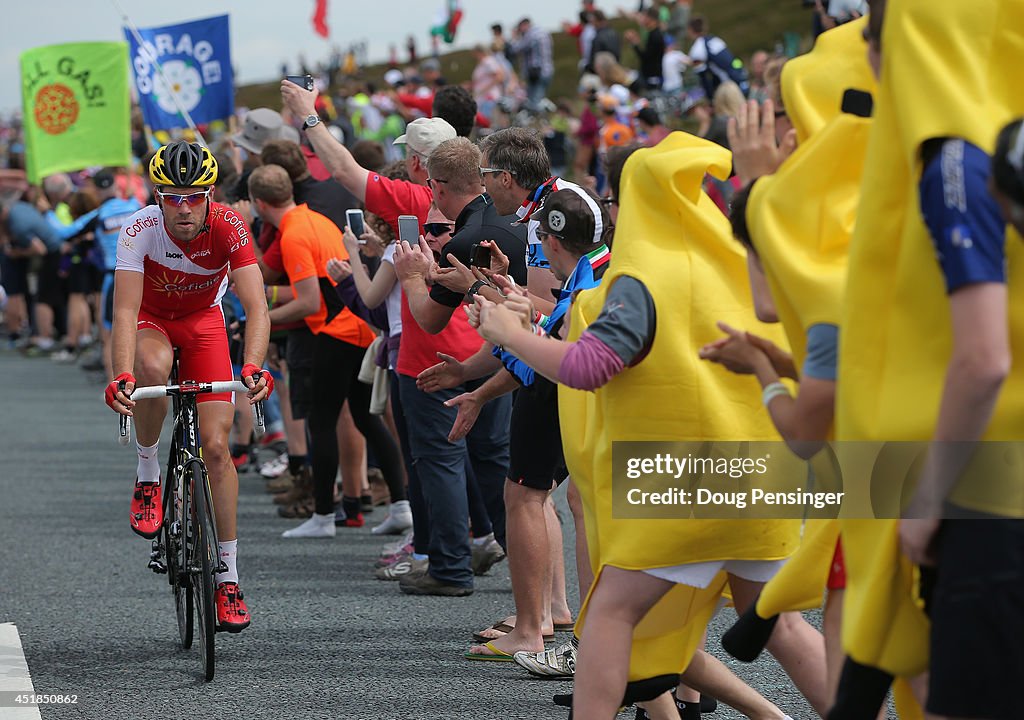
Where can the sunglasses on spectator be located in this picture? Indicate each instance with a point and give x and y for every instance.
(179, 199)
(436, 229)
(485, 170)
(431, 181)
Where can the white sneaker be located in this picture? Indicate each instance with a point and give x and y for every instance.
(274, 468)
(393, 548)
(64, 357)
(559, 662)
(399, 519)
(318, 526)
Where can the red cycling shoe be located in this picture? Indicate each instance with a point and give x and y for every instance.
(232, 612)
(147, 510)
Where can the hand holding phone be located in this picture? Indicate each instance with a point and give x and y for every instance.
(354, 219)
(409, 229)
(480, 256)
(303, 81)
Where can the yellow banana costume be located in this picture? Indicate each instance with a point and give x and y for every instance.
(671, 237)
(801, 219)
(948, 70)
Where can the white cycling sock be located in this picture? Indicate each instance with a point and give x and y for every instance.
(228, 556)
(149, 464)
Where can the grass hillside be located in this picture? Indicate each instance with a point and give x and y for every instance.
(746, 25)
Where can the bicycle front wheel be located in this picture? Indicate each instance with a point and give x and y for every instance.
(177, 553)
(204, 563)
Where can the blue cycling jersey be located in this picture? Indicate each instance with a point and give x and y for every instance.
(106, 221)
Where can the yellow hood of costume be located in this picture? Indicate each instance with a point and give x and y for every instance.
(672, 237)
(801, 217)
(948, 70)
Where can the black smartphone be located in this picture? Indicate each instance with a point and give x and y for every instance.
(303, 81)
(409, 229)
(480, 256)
(857, 102)
(355, 222)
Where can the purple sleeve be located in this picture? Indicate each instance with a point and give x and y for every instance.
(378, 316)
(589, 364)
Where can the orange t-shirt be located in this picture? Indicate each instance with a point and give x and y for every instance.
(308, 241)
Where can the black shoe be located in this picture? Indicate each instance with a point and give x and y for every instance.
(427, 584)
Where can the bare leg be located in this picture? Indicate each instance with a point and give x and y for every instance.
(528, 566)
(707, 674)
(153, 360)
(583, 570)
(215, 425)
(619, 601)
(243, 423)
(78, 319)
(16, 313)
(44, 321)
(834, 656)
(557, 601)
(799, 648)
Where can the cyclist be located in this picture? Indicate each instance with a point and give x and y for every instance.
(173, 260)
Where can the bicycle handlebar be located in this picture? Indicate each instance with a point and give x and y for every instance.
(155, 391)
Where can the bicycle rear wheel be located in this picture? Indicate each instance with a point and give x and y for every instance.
(204, 562)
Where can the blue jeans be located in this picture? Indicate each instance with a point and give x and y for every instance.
(536, 91)
(441, 470)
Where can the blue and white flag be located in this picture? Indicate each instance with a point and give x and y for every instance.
(196, 61)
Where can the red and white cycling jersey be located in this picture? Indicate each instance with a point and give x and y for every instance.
(183, 278)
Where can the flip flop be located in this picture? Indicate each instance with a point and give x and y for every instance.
(498, 655)
(565, 627)
(505, 628)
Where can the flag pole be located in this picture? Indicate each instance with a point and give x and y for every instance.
(160, 70)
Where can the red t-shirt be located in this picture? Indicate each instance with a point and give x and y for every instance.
(316, 166)
(183, 278)
(387, 199)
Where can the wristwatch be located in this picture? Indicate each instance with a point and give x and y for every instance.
(311, 121)
(475, 288)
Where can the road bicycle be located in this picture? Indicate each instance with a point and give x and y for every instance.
(186, 549)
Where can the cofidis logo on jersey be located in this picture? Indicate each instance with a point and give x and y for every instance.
(181, 284)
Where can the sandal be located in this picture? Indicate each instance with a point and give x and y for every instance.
(504, 628)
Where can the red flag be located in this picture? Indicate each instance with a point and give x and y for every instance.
(320, 18)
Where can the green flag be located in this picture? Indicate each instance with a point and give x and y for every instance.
(76, 106)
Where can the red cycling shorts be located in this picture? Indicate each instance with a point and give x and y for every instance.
(837, 573)
(201, 339)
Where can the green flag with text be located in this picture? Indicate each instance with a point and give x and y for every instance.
(76, 107)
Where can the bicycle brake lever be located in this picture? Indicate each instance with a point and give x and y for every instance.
(259, 423)
(124, 435)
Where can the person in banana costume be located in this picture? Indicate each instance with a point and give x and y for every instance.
(796, 219)
(925, 355)
(633, 341)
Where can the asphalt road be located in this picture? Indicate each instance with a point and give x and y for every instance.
(328, 640)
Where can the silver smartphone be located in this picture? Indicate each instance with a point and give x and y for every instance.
(409, 229)
(354, 219)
